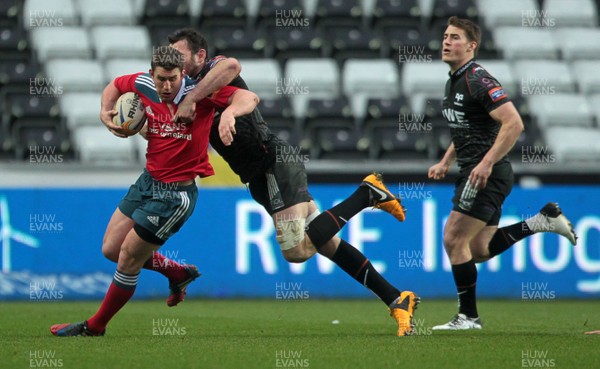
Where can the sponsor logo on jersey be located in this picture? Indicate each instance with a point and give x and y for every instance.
(458, 98)
(453, 117)
(497, 94)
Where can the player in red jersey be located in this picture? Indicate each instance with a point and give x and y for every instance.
(164, 195)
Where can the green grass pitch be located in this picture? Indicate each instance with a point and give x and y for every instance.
(245, 334)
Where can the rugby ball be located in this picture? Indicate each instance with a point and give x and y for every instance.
(130, 113)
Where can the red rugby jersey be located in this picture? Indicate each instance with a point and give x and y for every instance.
(176, 151)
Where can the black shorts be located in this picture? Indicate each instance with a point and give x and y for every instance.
(282, 185)
(487, 204)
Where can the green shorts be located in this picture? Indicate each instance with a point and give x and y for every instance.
(159, 209)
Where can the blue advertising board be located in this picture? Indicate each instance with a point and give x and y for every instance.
(52, 238)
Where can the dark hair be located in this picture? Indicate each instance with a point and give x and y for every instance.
(166, 57)
(472, 30)
(194, 39)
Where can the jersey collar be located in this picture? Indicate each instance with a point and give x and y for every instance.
(462, 69)
(179, 96)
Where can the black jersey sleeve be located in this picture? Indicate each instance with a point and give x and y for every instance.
(486, 89)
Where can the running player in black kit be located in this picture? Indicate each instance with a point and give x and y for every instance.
(484, 127)
(250, 149)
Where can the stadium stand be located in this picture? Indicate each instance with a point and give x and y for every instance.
(545, 53)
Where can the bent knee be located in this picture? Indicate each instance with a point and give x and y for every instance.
(299, 253)
(111, 251)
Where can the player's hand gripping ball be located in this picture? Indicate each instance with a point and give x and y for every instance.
(130, 113)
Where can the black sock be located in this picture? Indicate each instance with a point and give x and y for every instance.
(328, 223)
(465, 278)
(505, 237)
(360, 268)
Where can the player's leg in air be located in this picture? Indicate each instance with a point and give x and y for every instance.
(485, 241)
(121, 223)
(493, 241)
(155, 220)
(298, 245)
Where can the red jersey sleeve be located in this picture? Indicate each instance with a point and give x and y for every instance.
(220, 97)
(126, 83)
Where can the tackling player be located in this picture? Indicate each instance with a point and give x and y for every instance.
(484, 127)
(250, 149)
(164, 196)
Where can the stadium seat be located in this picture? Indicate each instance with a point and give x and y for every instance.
(285, 14)
(379, 108)
(387, 141)
(394, 13)
(14, 43)
(159, 33)
(572, 13)
(118, 67)
(98, 146)
(444, 9)
(404, 40)
(237, 42)
(6, 143)
(284, 44)
(543, 77)
(428, 79)
(566, 110)
(574, 145)
(587, 76)
(310, 78)
(76, 75)
(276, 107)
(262, 76)
(166, 12)
(81, 109)
(333, 13)
(61, 42)
(502, 71)
(117, 42)
(579, 43)
(19, 72)
(10, 12)
(27, 105)
(278, 114)
(49, 14)
(225, 12)
(508, 12)
(38, 133)
(364, 79)
(526, 43)
(350, 42)
(106, 13)
(332, 130)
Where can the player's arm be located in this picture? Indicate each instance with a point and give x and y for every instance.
(439, 170)
(242, 102)
(511, 127)
(110, 95)
(218, 77)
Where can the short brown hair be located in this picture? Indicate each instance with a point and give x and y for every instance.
(472, 30)
(167, 58)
